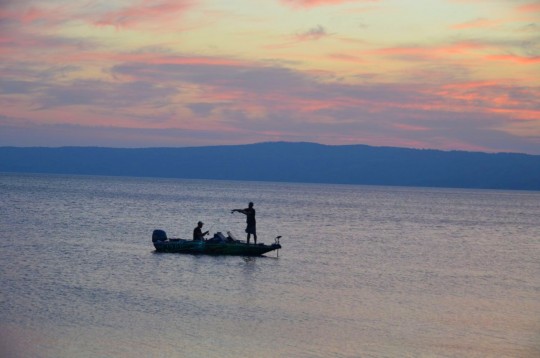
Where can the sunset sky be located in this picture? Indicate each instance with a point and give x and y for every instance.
(442, 74)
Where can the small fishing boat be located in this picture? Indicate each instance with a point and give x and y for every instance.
(218, 245)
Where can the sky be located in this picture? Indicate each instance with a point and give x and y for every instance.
(438, 74)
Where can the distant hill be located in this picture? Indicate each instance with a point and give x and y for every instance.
(288, 162)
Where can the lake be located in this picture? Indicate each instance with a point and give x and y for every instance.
(364, 271)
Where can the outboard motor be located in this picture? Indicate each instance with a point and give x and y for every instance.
(159, 235)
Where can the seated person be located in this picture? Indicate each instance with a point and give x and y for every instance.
(198, 235)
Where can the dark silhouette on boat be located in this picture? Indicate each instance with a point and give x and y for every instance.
(218, 245)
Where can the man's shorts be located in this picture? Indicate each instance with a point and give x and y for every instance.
(251, 229)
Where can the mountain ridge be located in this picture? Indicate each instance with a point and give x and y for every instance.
(288, 162)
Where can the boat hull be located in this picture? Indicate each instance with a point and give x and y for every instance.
(214, 248)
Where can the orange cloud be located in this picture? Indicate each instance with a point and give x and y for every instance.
(532, 7)
(518, 114)
(346, 58)
(431, 52)
(516, 59)
(476, 24)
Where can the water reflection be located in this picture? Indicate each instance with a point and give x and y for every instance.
(249, 259)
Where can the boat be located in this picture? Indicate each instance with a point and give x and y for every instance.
(218, 245)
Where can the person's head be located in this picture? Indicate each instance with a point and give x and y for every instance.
(200, 224)
(250, 204)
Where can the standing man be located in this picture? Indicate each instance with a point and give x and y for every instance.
(251, 228)
(198, 235)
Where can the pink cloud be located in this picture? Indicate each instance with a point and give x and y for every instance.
(146, 58)
(491, 97)
(146, 12)
(183, 60)
(316, 3)
(33, 14)
(410, 128)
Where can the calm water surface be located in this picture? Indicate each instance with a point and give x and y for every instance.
(364, 271)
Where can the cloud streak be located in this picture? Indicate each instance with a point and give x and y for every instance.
(312, 34)
(150, 13)
(318, 3)
(477, 24)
